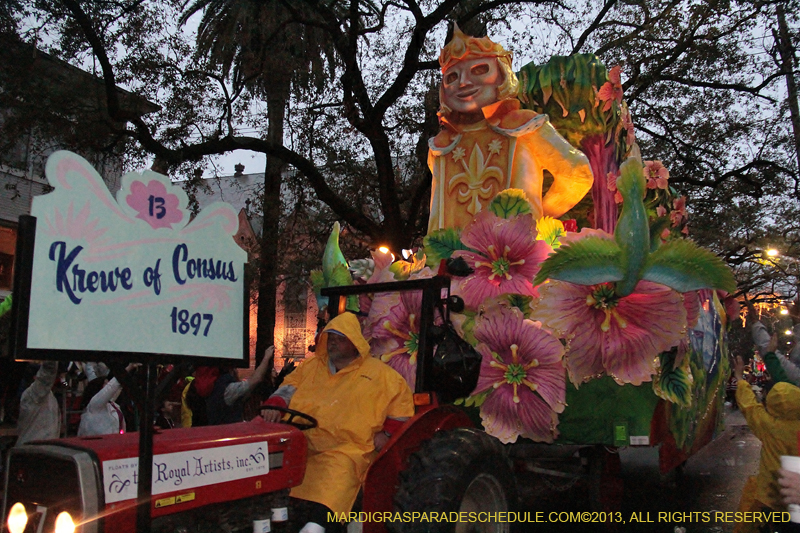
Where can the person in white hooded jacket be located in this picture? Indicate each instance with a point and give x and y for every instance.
(39, 417)
(102, 416)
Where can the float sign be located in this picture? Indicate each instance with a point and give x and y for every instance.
(186, 470)
(133, 274)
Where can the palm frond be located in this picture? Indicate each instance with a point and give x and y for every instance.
(588, 261)
(684, 266)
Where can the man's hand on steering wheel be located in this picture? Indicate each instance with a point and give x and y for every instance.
(270, 415)
(274, 413)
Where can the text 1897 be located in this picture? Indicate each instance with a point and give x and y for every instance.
(183, 323)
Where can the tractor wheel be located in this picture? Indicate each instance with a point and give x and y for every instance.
(459, 471)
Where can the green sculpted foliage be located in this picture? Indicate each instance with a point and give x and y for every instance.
(510, 203)
(674, 384)
(441, 244)
(565, 88)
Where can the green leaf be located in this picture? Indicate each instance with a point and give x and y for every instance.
(545, 83)
(317, 280)
(684, 266)
(477, 400)
(402, 270)
(333, 255)
(468, 328)
(510, 203)
(5, 307)
(317, 283)
(550, 231)
(657, 226)
(352, 304)
(521, 302)
(588, 261)
(674, 384)
(441, 244)
(339, 277)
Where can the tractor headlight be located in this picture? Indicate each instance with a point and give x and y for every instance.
(17, 518)
(64, 523)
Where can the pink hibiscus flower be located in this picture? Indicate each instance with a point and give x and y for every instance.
(506, 257)
(627, 123)
(393, 325)
(679, 213)
(395, 339)
(380, 273)
(611, 181)
(612, 89)
(691, 301)
(611, 184)
(523, 372)
(657, 175)
(606, 333)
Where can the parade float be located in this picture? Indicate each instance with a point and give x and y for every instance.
(562, 258)
(555, 311)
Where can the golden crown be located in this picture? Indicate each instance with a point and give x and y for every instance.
(462, 45)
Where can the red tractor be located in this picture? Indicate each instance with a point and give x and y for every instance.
(197, 473)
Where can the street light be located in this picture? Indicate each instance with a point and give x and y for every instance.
(787, 265)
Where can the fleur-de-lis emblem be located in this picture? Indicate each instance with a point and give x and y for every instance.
(479, 181)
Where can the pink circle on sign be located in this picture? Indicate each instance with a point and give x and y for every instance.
(154, 204)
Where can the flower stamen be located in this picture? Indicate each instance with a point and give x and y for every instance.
(389, 326)
(388, 356)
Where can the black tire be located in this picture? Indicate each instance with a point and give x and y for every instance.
(462, 470)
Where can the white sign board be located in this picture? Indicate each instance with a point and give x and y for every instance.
(186, 470)
(133, 274)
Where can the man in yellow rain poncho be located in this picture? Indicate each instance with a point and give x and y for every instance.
(357, 400)
(776, 425)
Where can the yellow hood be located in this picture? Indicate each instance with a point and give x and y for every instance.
(783, 401)
(347, 324)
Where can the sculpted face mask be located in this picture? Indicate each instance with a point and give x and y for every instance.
(471, 84)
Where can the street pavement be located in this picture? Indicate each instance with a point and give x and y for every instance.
(711, 482)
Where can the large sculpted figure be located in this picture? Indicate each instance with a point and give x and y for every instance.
(489, 144)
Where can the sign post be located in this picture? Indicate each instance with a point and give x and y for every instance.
(131, 278)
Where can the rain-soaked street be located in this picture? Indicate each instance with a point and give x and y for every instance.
(711, 482)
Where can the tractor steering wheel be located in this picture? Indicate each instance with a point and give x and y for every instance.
(309, 423)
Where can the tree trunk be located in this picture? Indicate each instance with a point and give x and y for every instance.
(787, 54)
(277, 95)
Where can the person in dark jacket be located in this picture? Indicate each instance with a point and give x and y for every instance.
(225, 398)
